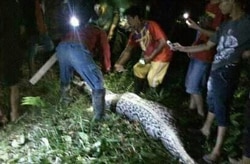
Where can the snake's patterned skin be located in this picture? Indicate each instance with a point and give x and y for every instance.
(156, 119)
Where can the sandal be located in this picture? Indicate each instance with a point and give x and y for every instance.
(208, 159)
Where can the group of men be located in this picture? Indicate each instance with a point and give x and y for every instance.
(77, 46)
(232, 43)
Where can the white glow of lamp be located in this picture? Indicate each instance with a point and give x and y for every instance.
(74, 21)
(185, 15)
(170, 44)
(142, 61)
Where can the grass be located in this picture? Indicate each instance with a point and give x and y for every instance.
(50, 133)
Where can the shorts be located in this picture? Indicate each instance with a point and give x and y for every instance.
(155, 72)
(196, 78)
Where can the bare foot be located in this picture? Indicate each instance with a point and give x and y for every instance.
(211, 158)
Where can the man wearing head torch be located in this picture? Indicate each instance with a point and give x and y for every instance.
(74, 53)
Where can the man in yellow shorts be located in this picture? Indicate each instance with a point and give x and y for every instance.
(156, 54)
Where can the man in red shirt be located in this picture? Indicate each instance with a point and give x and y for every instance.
(96, 41)
(74, 53)
(156, 54)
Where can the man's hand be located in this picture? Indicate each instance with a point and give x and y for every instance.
(192, 24)
(177, 47)
(119, 68)
(110, 35)
(147, 59)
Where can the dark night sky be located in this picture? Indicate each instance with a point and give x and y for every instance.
(165, 12)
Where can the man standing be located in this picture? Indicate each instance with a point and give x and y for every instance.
(232, 39)
(74, 53)
(156, 54)
(11, 55)
(200, 62)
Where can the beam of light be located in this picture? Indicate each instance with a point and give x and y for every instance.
(74, 21)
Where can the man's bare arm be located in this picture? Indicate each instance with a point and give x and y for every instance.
(195, 48)
(192, 24)
(123, 58)
(162, 43)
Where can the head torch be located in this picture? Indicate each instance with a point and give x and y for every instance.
(74, 21)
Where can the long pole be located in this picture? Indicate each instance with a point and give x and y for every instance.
(40, 73)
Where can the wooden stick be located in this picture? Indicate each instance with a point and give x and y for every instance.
(39, 74)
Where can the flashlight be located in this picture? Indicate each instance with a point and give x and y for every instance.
(170, 44)
(74, 21)
(185, 15)
(147, 8)
(142, 61)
